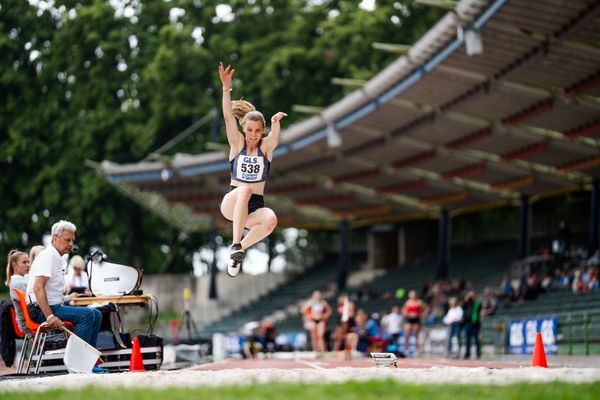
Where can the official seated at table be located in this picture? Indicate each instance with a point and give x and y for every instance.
(77, 280)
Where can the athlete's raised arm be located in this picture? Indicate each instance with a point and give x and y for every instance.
(234, 137)
(272, 139)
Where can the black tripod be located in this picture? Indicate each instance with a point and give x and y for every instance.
(186, 318)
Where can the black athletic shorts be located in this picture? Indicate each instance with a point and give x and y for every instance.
(256, 201)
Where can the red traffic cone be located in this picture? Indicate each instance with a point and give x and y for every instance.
(539, 356)
(136, 364)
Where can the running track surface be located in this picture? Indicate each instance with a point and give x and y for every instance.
(330, 363)
(356, 363)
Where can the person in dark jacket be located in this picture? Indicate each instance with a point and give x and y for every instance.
(8, 336)
(472, 323)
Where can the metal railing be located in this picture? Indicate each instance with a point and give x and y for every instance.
(578, 332)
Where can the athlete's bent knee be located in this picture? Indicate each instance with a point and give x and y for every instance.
(271, 222)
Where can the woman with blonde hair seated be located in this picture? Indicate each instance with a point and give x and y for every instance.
(17, 270)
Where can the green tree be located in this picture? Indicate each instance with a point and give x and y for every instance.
(82, 80)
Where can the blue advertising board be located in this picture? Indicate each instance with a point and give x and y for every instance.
(522, 333)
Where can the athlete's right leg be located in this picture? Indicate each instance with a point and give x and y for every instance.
(261, 223)
(234, 207)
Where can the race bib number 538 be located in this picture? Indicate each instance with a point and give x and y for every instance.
(250, 168)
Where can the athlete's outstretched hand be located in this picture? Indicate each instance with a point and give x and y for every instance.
(225, 74)
(277, 117)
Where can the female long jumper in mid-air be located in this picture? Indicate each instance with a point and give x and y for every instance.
(250, 156)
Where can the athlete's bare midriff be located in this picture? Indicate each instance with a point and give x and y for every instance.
(257, 187)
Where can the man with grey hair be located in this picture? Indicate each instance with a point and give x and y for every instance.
(46, 286)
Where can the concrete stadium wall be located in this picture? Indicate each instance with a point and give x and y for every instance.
(232, 293)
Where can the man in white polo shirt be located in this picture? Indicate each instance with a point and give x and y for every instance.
(46, 285)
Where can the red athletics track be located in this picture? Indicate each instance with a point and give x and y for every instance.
(330, 363)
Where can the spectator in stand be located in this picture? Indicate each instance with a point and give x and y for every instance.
(562, 242)
(543, 252)
(545, 283)
(594, 283)
(565, 279)
(458, 285)
(576, 282)
(578, 286)
(454, 319)
(585, 275)
(489, 304)
(576, 253)
(392, 325)
(472, 323)
(506, 290)
(594, 260)
(564, 235)
(532, 287)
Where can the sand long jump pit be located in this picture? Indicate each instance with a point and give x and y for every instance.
(297, 369)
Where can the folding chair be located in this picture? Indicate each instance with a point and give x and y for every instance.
(39, 340)
(20, 335)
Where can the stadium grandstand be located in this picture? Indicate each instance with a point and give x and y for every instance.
(496, 107)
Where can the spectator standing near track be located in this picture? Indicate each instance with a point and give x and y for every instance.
(454, 320)
(392, 325)
(472, 323)
(317, 322)
(414, 309)
(346, 330)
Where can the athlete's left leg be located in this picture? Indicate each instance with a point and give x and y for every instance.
(261, 223)
(321, 335)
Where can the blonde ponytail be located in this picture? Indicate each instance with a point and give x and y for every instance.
(244, 111)
(240, 108)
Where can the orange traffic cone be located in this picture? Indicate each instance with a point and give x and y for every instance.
(539, 356)
(136, 364)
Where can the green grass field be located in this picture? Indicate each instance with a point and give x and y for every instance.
(347, 391)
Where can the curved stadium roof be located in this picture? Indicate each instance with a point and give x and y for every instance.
(437, 128)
